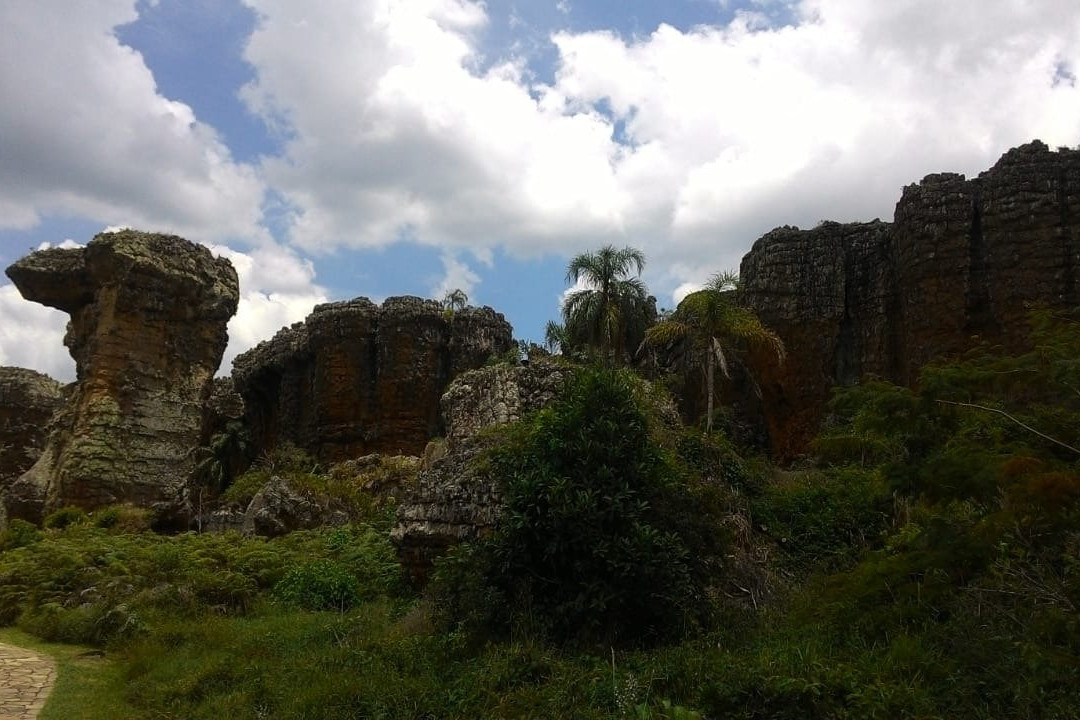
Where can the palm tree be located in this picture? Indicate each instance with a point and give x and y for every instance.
(709, 322)
(611, 312)
(555, 339)
(455, 300)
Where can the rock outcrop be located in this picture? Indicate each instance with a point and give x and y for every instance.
(279, 508)
(453, 501)
(28, 400)
(355, 378)
(964, 261)
(147, 331)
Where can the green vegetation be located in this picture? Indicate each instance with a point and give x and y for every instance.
(706, 324)
(603, 541)
(608, 317)
(927, 566)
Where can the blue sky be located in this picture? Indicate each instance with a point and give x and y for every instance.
(389, 147)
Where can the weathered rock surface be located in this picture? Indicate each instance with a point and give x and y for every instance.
(28, 400)
(453, 501)
(355, 378)
(963, 261)
(147, 331)
(279, 508)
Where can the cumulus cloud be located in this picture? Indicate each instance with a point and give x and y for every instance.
(86, 132)
(687, 144)
(32, 336)
(277, 288)
(457, 275)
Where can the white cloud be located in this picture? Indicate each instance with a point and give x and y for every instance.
(456, 276)
(729, 130)
(277, 288)
(86, 133)
(32, 336)
(683, 290)
(66, 244)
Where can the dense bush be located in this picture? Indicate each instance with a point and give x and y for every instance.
(822, 520)
(602, 539)
(319, 585)
(91, 585)
(65, 517)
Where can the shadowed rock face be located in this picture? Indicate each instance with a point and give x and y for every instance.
(963, 261)
(356, 378)
(28, 400)
(147, 331)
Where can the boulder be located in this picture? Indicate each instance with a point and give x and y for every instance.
(279, 508)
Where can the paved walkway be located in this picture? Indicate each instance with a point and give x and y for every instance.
(26, 678)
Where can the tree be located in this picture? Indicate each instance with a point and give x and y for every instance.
(611, 313)
(555, 339)
(709, 323)
(455, 300)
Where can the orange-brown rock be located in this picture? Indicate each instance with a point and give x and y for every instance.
(147, 331)
(963, 261)
(355, 378)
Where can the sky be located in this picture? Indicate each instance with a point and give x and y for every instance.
(347, 148)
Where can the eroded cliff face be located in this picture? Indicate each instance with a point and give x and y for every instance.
(147, 331)
(356, 378)
(964, 261)
(28, 400)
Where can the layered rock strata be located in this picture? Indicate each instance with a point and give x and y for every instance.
(28, 400)
(963, 261)
(147, 331)
(453, 500)
(355, 378)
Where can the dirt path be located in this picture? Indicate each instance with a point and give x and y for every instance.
(26, 679)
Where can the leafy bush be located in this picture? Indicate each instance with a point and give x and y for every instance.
(65, 517)
(319, 585)
(18, 533)
(823, 520)
(602, 540)
(122, 519)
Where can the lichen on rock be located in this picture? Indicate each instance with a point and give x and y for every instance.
(147, 332)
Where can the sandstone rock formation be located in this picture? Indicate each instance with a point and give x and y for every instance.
(963, 261)
(355, 378)
(453, 501)
(28, 400)
(147, 331)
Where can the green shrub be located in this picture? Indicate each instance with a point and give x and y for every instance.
(122, 519)
(65, 517)
(602, 539)
(824, 519)
(319, 585)
(19, 533)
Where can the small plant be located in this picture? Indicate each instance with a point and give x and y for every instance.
(319, 585)
(19, 533)
(122, 519)
(65, 517)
